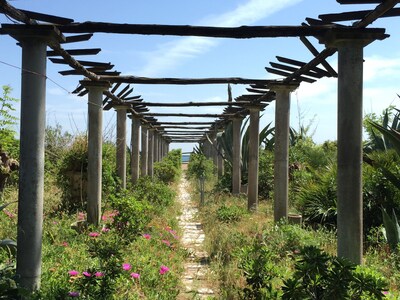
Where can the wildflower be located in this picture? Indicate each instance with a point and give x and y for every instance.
(73, 273)
(166, 242)
(55, 222)
(163, 270)
(135, 275)
(81, 216)
(9, 214)
(94, 234)
(64, 244)
(126, 267)
(73, 294)
(147, 236)
(105, 229)
(86, 274)
(99, 274)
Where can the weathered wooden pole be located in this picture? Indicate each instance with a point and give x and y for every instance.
(252, 189)
(135, 142)
(121, 144)
(214, 149)
(349, 156)
(31, 172)
(95, 148)
(150, 151)
(236, 155)
(144, 151)
(281, 161)
(220, 161)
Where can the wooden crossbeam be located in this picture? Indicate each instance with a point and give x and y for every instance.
(315, 52)
(279, 72)
(187, 115)
(180, 127)
(242, 32)
(380, 10)
(93, 51)
(44, 17)
(133, 98)
(356, 15)
(359, 1)
(293, 69)
(188, 104)
(94, 70)
(105, 66)
(185, 123)
(77, 38)
(184, 81)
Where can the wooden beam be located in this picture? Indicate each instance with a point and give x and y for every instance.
(242, 32)
(301, 64)
(356, 15)
(180, 127)
(185, 123)
(133, 98)
(315, 52)
(184, 132)
(187, 115)
(187, 104)
(106, 66)
(46, 18)
(278, 72)
(94, 70)
(184, 81)
(293, 69)
(93, 51)
(379, 11)
(78, 38)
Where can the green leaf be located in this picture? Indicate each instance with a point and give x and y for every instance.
(10, 245)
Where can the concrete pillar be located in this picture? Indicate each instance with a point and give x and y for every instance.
(144, 152)
(220, 162)
(281, 150)
(156, 157)
(135, 142)
(31, 173)
(160, 147)
(150, 156)
(95, 148)
(121, 144)
(252, 189)
(214, 152)
(349, 174)
(236, 155)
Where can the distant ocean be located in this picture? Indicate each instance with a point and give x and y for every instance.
(185, 158)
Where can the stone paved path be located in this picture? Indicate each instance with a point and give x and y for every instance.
(196, 281)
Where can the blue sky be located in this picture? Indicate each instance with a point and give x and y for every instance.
(160, 56)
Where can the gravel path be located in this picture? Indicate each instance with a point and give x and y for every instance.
(196, 279)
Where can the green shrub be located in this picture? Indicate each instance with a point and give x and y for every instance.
(200, 166)
(228, 214)
(154, 192)
(321, 276)
(165, 171)
(132, 215)
(266, 174)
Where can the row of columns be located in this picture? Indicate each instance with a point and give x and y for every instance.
(32, 132)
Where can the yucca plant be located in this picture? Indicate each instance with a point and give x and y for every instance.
(392, 229)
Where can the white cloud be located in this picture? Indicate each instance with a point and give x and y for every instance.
(378, 68)
(168, 55)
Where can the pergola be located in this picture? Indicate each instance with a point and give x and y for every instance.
(105, 91)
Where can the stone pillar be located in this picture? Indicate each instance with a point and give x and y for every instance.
(281, 150)
(220, 162)
(254, 145)
(150, 151)
(214, 152)
(144, 152)
(160, 147)
(155, 147)
(135, 142)
(349, 174)
(121, 144)
(236, 155)
(95, 148)
(32, 134)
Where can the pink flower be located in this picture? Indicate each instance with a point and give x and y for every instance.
(147, 236)
(73, 273)
(135, 275)
(94, 234)
(163, 270)
(99, 274)
(73, 294)
(166, 243)
(81, 216)
(126, 267)
(9, 214)
(64, 244)
(87, 274)
(105, 229)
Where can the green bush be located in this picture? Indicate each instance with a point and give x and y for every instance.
(228, 214)
(154, 192)
(200, 166)
(72, 173)
(266, 174)
(321, 276)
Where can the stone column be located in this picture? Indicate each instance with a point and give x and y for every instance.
(32, 133)
(135, 142)
(144, 151)
(254, 145)
(155, 147)
(281, 150)
(236, 155)
(220, 162)
(214, 152)
(150, 156)
(95, 148)
(121, 144)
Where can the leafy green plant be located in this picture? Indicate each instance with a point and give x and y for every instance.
(228, 214)
(7, 121)
(392, 229)
(199, 166)
(321, 276)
